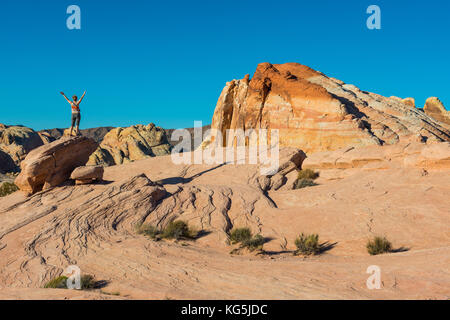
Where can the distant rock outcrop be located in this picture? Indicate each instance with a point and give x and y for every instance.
(15, 143)
(435, 109)
(316, 113)
(95, 133)
(122, 145)
(50, 165)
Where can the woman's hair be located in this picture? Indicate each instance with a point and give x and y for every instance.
(75, 98)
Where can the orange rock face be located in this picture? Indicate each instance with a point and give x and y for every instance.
(316, 113)
(435, 109)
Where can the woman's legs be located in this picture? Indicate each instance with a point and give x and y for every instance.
(76, 117)
(78, 123)
(73, 122)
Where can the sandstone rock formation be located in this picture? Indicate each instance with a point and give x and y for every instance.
(87, 174)
(15, 143)
(50, 165)
(402, 155)
(94, 227)
(435, 109)
(409, 102)
(316, 113)
(122, 145)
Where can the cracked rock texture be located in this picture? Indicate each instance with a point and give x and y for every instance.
(93, 227)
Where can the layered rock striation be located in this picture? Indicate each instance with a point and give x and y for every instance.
(314, 112)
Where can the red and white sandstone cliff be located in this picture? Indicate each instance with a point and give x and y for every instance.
(314, 112)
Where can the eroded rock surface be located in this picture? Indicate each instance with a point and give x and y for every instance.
(402, 155)
(93, 226)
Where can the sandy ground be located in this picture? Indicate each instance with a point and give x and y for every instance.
(93, 227)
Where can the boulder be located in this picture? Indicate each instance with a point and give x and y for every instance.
(51, 164)
(123, 145)
(316, 113)
(290, 160)
(87, 174)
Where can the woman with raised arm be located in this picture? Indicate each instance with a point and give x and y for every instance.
(76, 116)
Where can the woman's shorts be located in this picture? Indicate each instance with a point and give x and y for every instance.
(76, 117)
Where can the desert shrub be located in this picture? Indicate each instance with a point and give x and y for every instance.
(240, 235)
(307, 174)
(303, 183)
(87, 282)
(246, 239)
(305, 178)
(148, 230)
(57, 283)
(378, 245)
(178, 230)
(255, 243)
(7, 188)
(175, 230)
(307, 244)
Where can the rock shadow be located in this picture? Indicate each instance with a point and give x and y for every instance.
(401, 249)
(183, 180)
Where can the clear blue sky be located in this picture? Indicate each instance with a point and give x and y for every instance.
(167, 61)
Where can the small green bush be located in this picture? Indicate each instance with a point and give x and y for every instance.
(240, 235)
(255, 243)
(87, 282)
(175, 230)
(303, 183)
(148, 230)
(7, 188)
(307, 244)
(246, 239)
(305, 178)
(57, 283)
(378, 245)
(178, 230)
(307, 174)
